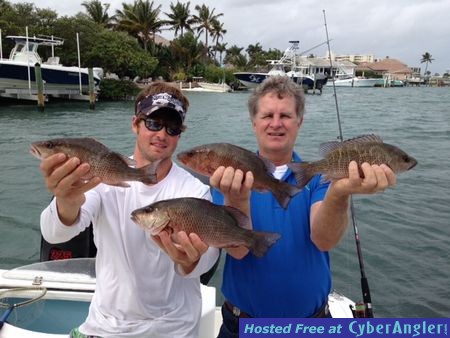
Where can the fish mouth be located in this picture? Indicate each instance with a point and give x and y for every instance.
(134, 217)
(413, 165)
(182, 157)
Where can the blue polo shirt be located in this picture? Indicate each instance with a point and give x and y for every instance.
(293, 279)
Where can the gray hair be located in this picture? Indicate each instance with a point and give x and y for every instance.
(282, 86)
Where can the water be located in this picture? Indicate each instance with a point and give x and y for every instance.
(405, 232)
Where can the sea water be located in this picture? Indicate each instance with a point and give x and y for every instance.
(404, 232)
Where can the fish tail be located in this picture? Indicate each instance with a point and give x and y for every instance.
(262, 241)
(283, 192)
(148, 173)
(303, 172)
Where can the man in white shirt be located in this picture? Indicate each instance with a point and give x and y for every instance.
(145, 287)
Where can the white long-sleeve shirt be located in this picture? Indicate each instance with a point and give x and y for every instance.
(139, 292)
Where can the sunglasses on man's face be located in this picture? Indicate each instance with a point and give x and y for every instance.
(157, 125)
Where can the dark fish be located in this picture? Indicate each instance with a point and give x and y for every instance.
(218, 226)
(338, 155)
(111, 167)
(205, 159)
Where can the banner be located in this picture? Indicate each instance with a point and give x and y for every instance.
(348, 327)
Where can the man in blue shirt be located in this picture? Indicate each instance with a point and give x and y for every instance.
(293, 279)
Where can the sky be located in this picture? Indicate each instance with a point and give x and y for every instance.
(400, 29)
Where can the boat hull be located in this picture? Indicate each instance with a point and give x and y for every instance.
(14, 75)
(250, 80)
(357, 82)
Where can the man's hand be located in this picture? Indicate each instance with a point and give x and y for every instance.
(377, 178)
(234, 186)
(236, 189)
(63, 178)
(186, 251)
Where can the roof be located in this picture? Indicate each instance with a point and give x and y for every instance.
(159, 40)
(387, 65)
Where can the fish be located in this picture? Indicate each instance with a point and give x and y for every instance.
(112, 168)
(217, 225)
(205, 159)
(338, 155)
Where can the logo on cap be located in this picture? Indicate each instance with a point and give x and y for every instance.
(151, 103)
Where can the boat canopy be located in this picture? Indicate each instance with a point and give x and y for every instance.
(44, 41)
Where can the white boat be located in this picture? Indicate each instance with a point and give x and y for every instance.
(356, 81)
(296, 72)
(69, 286)
(215, 87)
(17, 74)
(200, 85)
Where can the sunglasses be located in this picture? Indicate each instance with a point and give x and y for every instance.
(157, 125)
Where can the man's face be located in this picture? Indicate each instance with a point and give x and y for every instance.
(276, 124)
(157, 144)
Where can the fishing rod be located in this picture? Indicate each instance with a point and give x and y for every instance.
(368, 312)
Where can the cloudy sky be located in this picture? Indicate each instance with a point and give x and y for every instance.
(400, 29)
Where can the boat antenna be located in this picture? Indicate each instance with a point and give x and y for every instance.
(364, 282)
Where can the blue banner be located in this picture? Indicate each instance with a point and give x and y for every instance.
(348, 328)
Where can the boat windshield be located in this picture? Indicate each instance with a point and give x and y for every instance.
(78, 270)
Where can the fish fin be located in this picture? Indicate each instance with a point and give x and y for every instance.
(240, 217)
(372, 138)
(120, 184)
(270, 167)
(283, 192)
(149, 173)
(262, 241)
(130, 161)
(328, 147)
(303, 172)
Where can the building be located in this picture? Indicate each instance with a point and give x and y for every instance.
(392, 68)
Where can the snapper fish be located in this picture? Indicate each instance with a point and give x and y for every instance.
(216, 225)
(205, 159)
(338, 155)
(112, 168)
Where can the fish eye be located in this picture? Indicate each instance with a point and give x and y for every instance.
(149, 209)
(49, 144)
(406, 159)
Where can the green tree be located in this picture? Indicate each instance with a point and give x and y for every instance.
(98, 12)
(180, 17)
(217, 33)
(204, 20)
(117, 52)
(140, 20)
(221, 48)
(426, 58)
(187, 53)
(235, 57)
(257, 56)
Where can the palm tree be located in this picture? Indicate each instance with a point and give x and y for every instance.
(180, 17)
(98, 12)
(427, 58)
(217, 33)
(140, 20)
(235, 57)
(187, 51)
(204, 20)
(221, 48)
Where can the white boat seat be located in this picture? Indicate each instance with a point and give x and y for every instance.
(53, 60)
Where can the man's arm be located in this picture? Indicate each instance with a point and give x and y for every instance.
(329, 218)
